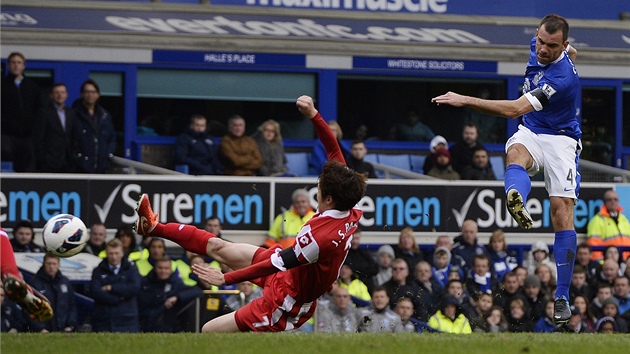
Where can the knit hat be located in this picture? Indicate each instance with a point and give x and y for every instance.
(603, 320)
(540, 246)
(386, 249)
(441, 152)
(610, 300)
(438, 139)
(532, 280)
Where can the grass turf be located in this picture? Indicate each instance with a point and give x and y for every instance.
(158, 343)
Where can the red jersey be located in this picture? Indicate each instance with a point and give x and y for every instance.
(7, 258)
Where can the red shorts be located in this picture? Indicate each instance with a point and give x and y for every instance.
(277, 310)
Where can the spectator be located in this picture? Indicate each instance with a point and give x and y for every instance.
(517, 319)
(131, 250)
(610, 308)
(545, 324)
(239, 153)
(96, 244)
(483, 306)
(404, 309)
(114, 287)
(23, 235)
(612, 252)
(338, 315)
(97, 137)
(20, 106)
(183, 268)
(509, 292)
(12, 317)
(197, 149)
(361, 261)
(606, 325)
(588, 320)
(521, 274)
(456, 260)
(604, 291)
(547, 280)
(442, 265)
(583, 257)
(319, 157)
(411, 129)
(626, 273)
(500, 261)
(575, 323)
(355, 159)
(269, 141)
(493, 321)
(536, 299)
(442, 167)
(579, 285)
(356, 288)
(57, 288)
(157, 251)
(480, 279)
(455, 287)
(400, 286)
(621, 291)
(213, 226)
(609, 226)
(379, 318)
(438, 142)
(249, 293)
(430, 291)
(607, 272)
(462, 151)
(385, 256)
(466, 245)
(480, 169)
(55, 134)
(449, 318)
(161, 297)
(407, 249)
(539, 254)
(288, 223)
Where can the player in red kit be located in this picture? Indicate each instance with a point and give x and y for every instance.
(292, 278)
(16, 289)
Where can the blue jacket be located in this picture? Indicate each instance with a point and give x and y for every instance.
(60, 293)
(154, 317)
(97, 139)
(115, 310)
(199, 152)
(544, 325)
(466, 251)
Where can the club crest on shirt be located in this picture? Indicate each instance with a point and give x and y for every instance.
(548, 90)
(304, 240)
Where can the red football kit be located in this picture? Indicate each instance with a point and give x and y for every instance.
(293, 279)
(7, 260)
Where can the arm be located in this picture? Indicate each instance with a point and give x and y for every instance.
(507, 108)
(306, 107)
(131, 287)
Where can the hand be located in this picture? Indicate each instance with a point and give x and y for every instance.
(68, 329)
(209, 274)
(170, 302)
(306, 107)
(107, 288)
(450, 98)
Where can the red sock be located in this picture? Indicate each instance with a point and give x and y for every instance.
(189, 237)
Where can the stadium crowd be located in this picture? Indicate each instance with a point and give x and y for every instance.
(455, 286)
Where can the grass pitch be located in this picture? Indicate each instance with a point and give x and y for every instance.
(301, 343)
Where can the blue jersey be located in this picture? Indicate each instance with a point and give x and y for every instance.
(555, 108)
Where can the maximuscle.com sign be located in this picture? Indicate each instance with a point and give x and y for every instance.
(252, 203)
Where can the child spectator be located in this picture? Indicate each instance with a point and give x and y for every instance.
(517, 319)
(442, 167)
(356, 288)
(385, 258)
(493, 322)
(588, 320)
(500, 261)
(442, 265)
(547, 280)
(546, 324)
(449, 318)
(539, 254)
(480, 280)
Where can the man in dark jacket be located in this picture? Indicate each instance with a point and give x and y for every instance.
(114, 287)
(361, 261)
(466, 245)
(20, 105)
(161, 297)
(355, 160)
(196, 149)
(55, 135)
(96, 134)
(480, 169)
(57, 288)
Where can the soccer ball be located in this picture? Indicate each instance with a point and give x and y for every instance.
(65, 235)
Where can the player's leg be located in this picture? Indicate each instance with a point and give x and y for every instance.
(521, 161)
(234, 255)
(562, 182)
(225, 323)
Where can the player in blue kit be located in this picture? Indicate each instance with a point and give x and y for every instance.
(549, 138)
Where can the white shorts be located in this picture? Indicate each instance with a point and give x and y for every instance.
(556, 155)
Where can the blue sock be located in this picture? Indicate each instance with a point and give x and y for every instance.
(516, 177)
(564, 248)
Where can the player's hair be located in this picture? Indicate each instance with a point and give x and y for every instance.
(554, 23)
(498, 235)
(345, 186)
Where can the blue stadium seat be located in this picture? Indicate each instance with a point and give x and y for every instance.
(417, 163)
(371, 158)
(297, 162)
(6, 166)
(401, 161)
(182, 169)
(498, 166)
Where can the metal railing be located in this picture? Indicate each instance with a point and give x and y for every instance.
(596, 172)
(395, 171)
(135, 167)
